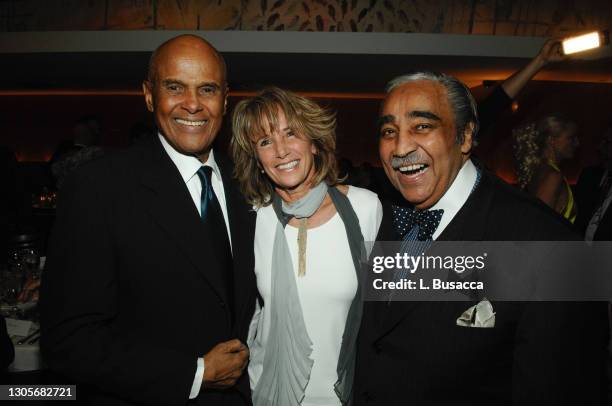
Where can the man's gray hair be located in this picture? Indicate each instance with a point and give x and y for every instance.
(459, 98)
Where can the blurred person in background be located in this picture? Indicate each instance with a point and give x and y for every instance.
(82, 148)
(594, 221)
(593, 194)
(539, 149)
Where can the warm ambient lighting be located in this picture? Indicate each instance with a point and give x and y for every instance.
(582, 43)
(138, 93)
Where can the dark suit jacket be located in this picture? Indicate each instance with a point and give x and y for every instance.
(588, 191)
(413, 353)
(133, 293)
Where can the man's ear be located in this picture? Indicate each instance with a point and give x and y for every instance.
(147, 89)
(225, 99)
(468, 138)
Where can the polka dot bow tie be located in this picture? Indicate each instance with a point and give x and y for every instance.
(404, 220)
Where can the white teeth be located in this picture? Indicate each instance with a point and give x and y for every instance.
(412, 168)
(191, 123)
(288, 165)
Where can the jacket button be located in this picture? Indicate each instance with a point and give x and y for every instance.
(222, 303)
(377, 348)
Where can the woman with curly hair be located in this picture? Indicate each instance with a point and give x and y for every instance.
(539, 148)
(309, 246)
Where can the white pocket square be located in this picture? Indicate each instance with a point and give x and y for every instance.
(480, 315)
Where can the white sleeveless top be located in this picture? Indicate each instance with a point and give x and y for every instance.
(326, 291)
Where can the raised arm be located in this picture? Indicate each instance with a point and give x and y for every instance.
(549, 53)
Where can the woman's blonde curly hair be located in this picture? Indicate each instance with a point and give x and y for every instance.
(250, 122)
(531, 139)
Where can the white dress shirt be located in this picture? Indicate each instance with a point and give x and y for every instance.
(188, 167)
(456, 195)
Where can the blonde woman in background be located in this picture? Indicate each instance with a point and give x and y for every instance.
(539, 149)
(309, 244)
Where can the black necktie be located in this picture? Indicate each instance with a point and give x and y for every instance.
(405, 218)
(213, 221)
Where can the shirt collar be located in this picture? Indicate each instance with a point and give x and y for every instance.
(188, 165)
(458, 192)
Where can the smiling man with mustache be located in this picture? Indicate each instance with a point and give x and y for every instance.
(417, 353)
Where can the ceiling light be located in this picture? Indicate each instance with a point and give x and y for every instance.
(584, 42)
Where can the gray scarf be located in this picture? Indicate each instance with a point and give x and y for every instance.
(287, 363)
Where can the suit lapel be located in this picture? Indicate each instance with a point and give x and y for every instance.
(469, 224)
(166, 198)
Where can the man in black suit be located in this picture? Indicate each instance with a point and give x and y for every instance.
(593, 195)
(417, 353)
(149, 289)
